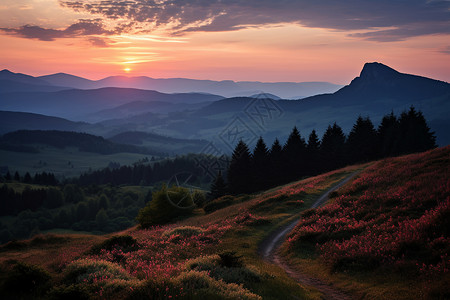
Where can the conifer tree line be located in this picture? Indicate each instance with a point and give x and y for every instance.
(250, 172)
(43, 178)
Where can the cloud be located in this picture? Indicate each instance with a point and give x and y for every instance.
(409, 18)
(375, 20)
(81, 28)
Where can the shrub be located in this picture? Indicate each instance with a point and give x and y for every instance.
(166, 205)
(212, 264)
(184, 231)
(218, 204)
(69, 292)
(200, 285)
(25, 279)
(125, 243)
(229, 259)
(90, 270)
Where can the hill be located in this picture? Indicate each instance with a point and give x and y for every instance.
(17, 82)
(393, 219)
(227, 88)
(62, 139)
(13, 121)
(156, 141)
(77, 104)
(402, 201)
(379, 89)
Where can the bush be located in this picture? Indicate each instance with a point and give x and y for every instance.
(166, 205)
(229, 259)
(201, 286)
(218, 204)
(212, 265)
(25, 279)
(184, 231)
(70, 292)
(90, 270)
(125, 243)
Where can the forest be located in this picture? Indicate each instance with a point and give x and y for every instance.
(109, 200)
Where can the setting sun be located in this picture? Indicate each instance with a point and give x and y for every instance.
(127, 70)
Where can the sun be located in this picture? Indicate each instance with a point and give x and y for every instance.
(127, 70)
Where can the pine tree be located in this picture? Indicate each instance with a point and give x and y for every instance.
(415, 135)
(275, 172)
(260, 166)
(332, 148)
(388, 135)
(294, 152)
(218, 187)
(239, 173)
(312, 154)
(362, 143)
(16, 176)
(27, 178)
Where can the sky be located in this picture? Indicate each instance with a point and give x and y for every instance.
(246, 40)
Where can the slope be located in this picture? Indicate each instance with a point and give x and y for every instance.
(384, 236)
(13, 121)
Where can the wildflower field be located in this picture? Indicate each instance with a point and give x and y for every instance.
(208, 256)
(383, 235)
(392, 221)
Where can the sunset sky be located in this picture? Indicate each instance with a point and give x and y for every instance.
(302, 40)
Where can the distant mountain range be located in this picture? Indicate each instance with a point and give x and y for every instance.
(83, 104)
(226, 88)
(377, 91)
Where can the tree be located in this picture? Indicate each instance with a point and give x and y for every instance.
(218, 187)
(388, 135)
(101, 218)
(54, 198)
(275, 172)
(362, 143)
(27, 178)
(415, 135)
(239, 173)
(294, 152)
(260, 166)
(162, 209)
(332, 148)
(312, 162)
(16, 176)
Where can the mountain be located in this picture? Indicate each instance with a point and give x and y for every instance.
(77, 104)
(158, 142)
(17, 82)
(63, 79)
(139, 107)
(227, 88)
(62, 139)
(22, 78)
(377, 91)
(13, 121)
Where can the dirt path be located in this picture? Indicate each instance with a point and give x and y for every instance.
(270, 245)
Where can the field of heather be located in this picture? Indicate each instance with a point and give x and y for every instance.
(384, 235)
(208, 256)
(391, 222)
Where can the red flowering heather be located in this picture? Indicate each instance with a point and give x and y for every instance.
(397, 213)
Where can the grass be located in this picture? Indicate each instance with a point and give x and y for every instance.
(68, 162)
(385, 235)
(238, 228)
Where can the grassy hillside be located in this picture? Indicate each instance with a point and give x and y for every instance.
(173, 260)
(215, 255)
(385, 236)
(69, 162)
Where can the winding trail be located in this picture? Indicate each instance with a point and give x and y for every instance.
(269, 247)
